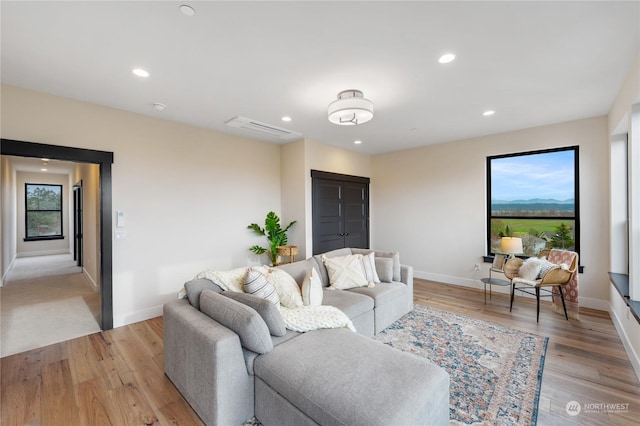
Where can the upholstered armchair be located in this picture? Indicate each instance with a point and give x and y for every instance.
(551, 275)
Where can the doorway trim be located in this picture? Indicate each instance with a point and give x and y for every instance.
(80, 155)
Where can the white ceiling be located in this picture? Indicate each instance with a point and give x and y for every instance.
(534, 63)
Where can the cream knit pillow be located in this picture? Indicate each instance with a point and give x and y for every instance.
(345, 272)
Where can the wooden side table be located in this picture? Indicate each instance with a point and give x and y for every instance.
(490, 282)
(289, 251)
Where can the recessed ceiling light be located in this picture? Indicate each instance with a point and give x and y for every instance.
(357, 142)
(158, 106)
(286, 118)
(44, 159)
(446, 58)
(488, 113)
(43, 170)
(140, 72)
(187, 10)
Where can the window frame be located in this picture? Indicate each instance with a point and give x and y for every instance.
(576, 170)
(59, 236)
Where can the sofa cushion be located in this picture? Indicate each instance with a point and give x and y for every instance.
(256, 283)
(267, 310)
(298, 270)
(352, 304)
(383, 293)
(384, 268)
(195, 287)
(345, 271)
(355, 380)
(312, 289)
(322, 269)
(239, 318)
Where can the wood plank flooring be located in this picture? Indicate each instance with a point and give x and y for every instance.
(116, 377)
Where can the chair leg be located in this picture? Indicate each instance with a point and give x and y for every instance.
(563, 304)
(513, 290)
(537, 304)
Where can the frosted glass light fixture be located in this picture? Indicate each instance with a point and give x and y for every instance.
(350, 109)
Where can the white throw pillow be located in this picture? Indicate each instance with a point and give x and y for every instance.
(256, 283)
(312, 289)
(345, 272)
(530, 269)
(286, 287)
(369, 267)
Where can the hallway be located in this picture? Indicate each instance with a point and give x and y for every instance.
(45, 300)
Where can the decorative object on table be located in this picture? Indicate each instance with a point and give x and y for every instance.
(497, 266)
(275, 234)
(495, 371)
(554, 269)
(511, 246)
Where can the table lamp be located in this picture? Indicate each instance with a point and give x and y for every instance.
(511, 246)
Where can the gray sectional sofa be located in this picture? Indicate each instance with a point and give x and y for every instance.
(231, 359)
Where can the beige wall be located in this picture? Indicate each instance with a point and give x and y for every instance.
(8, 208)
(89, 174)
(430, 203)
(188, 193)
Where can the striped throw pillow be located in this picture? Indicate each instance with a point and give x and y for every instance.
(257, 284)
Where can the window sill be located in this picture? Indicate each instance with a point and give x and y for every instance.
(52, 237)
(621, 283)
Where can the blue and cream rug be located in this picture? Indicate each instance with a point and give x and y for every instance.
(495, 371)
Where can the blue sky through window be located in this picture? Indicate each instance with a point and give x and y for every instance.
(546, 176)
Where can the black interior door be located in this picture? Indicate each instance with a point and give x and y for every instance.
(340, 211)
(77, 221)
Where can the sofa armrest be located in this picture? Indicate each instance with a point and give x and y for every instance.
(406, 276)
(204, 360)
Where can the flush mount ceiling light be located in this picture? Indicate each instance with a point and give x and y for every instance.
(350, 108)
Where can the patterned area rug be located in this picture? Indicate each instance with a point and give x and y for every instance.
(495, 371)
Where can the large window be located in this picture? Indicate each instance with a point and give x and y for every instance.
(43, 211)
(534, 196)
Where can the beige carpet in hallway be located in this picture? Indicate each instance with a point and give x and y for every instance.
(45, 300)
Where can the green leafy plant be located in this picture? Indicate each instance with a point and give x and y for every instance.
(275, 234)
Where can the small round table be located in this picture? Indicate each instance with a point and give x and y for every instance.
(492, 281)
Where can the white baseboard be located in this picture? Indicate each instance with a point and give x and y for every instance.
(634, 357)
(137, 316)
(43, 253)
(94, 286)
(11, 265)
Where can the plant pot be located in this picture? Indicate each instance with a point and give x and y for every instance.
(289, 251)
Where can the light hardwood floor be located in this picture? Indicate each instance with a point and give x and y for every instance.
(116, 377)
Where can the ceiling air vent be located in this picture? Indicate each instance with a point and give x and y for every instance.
(263, 128)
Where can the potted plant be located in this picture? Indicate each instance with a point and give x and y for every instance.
(275, 234)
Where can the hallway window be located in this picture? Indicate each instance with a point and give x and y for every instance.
(43, 211)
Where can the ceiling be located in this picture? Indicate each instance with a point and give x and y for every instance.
(534, 63)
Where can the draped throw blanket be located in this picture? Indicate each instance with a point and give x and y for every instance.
(570, 289)
(304, 318)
